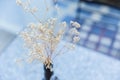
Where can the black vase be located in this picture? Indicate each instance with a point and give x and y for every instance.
(48, 72)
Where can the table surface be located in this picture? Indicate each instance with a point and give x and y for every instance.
(80, 64)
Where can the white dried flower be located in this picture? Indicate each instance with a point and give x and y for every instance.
(18, 2)
(42, 39)
(52, 21)
(76, 39)
(35, 9)
(32, 25)
(64, 24)
(75, 24)
(77, 33)
(73, 31)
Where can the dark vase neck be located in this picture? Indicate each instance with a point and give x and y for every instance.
(47, 72)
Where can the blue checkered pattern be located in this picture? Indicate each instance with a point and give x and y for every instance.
(100, 28)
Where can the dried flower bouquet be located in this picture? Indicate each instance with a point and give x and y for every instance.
(43, 38)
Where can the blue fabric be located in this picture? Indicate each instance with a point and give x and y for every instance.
(80, 64)
(104, 25)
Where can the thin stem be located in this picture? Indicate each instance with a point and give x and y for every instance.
(59, 52)
(51, 45)
(46, 49)
(46, 5)
(32, 12)
(46, 11)
(35, 17)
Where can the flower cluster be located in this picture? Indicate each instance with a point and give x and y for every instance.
(26, 6)
(43, 38)
(74, 31)
(72, 34)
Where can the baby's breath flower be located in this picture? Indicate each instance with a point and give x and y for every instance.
(42, 39)
(73, 31)
(76, 39)
(77, 33)
(31, 25)
(52, 21)
(35, 9)
(75, 24)
(64, 24)
(18, 2)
